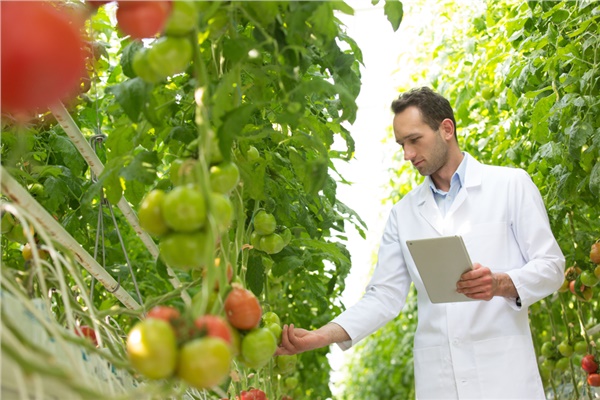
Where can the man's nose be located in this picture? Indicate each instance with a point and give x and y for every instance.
(409, 154)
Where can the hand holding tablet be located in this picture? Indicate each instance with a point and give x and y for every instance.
(441, 261)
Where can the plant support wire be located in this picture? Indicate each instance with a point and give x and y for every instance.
(96, 140)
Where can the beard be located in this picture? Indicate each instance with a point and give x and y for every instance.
(437, 157)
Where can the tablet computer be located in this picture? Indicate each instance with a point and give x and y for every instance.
(441, 261)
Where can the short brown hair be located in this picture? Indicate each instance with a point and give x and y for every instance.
(434, 107)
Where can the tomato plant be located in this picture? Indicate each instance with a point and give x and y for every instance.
(204, 362)
(242, 308)
(42, 58)
(152, 348)
(258, 347)
(142, 19)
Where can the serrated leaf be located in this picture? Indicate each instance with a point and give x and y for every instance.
(394, 11)
(289, 263)
(57, 192)
(233, 124)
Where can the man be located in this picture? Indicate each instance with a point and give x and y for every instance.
(464, 350)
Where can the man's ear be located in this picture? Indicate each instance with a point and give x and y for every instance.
(447, 128)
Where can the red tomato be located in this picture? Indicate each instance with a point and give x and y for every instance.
(143, 19)
(87, 332)
(165, 313)
(253, 394)
(242, 308)
(215, 326)
(42, 58)
(588, 364)
(593, 380)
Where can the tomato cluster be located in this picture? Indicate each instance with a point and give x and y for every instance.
(581, 282)
(181, 217)
(590, 365)
(166, 345)
(267, 235)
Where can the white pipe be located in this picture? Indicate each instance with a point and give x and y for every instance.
(74, 133)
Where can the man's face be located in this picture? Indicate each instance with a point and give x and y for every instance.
(423, 147)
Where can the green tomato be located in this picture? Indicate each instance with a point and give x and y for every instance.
(150, 213)
(142, 68)
(271, 244)
(275, 330)
(565, 348)
(183, 18)
(252, 154)
(255, 240)
(562, 364)
(588, 278)
(264, 223)
(170, 55)
(224, 177)
(185, 250)
(221, 210)
(204, 362)
(286, 364)
(580, 347)
(184, 209)
(291, 382)
(270, 318)
(258, 347)
(152, 348)
(548, 349)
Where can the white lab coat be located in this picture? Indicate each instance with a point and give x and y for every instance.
(477, 349)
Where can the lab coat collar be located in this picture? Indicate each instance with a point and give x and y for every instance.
(426, 202)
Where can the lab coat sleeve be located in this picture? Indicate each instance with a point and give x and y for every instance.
(386, 292)
(543, 272)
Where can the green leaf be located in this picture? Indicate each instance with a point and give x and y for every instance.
(57, 192)
(255, 275)
(142, 168)
(394, 11)
(233, 124)
(131, 96)
(539, 118)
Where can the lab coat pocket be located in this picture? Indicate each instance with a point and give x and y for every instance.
(434, 378)
(488, 244)
(507, 368)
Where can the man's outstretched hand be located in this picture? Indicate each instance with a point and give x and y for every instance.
(297, 340)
